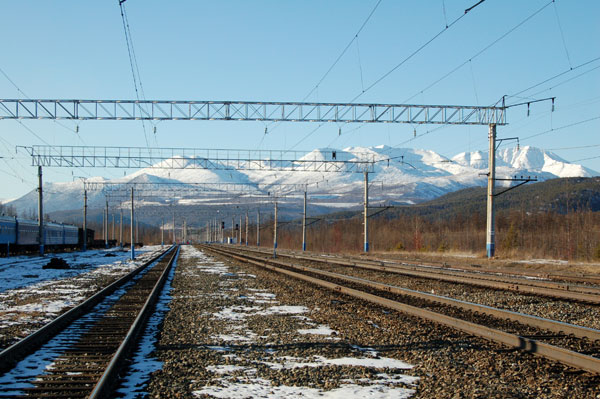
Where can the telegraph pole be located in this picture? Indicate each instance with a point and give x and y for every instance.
(491, 225)
(366, 223)
(275, 233)
(304, 225)
(84, 219)
(131, 227)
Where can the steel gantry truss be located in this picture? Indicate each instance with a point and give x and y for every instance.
(197, 158)
(250, 111)
(119, 157)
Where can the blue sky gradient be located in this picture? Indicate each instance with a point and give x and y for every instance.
(279, 50)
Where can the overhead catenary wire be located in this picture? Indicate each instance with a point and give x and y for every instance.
(406, 59)
(478, 53)
(554, 77)
(415, 52)
(132, 62)
(562, 35)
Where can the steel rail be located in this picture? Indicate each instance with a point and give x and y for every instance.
(562, 291)
(27, 345)
(562, 355)
(526, 319)
(107, 380)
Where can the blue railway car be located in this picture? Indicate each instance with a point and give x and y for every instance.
(8, 230)
(22, 235)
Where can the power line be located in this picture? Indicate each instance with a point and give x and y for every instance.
(131, 60)
(573, 148)
(560, 128)
(385, 75)
(477, 54)
(562, 35)
(343, 51)
(554, 77)
(395, 67)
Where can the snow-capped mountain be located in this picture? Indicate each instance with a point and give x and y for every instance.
(399, 175)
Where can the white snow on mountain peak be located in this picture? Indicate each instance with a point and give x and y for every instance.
(403, 175)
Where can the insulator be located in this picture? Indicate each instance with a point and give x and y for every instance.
(415, 132)
(528, 109)
(77, 129)
(266, 130)
(552, 105)
(154, 129)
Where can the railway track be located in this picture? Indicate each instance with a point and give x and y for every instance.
(571, 345)
(79, 353)
(526, 285)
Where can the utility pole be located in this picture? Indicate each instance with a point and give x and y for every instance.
(184, 233)
(246, 227)
(84, 219)
(304, 225)
(366, 210)
(106, 225)
(258, 227)
(41, 235)
(275, 233)
(162, 233)
(113, 227)
(173, 226)
(207, 231)
(121, 227)
(131, 227)
(137, 230)
(232, 229)
(491, 225)
(240, 232)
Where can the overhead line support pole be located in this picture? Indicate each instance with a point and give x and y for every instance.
(246, 241)
(366, 218)
(106, 225)
(84, 238)
(121, 227)
(491, 225)
(131, 227)
(275, 233)
(41, 235)
(258, 227)
(304, 224)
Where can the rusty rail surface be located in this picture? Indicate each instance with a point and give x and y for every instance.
(87, 365)
(583, 293)
(555, 353)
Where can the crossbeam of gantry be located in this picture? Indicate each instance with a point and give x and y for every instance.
(194, 158)
(251, 111)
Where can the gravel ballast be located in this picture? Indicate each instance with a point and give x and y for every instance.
(238, 331)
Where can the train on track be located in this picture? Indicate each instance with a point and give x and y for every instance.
(21, 235)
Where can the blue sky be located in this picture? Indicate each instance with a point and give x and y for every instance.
(279, 50)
